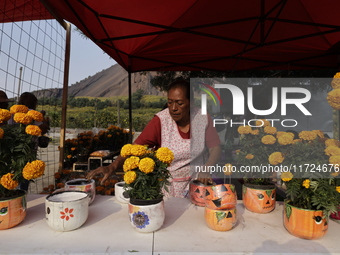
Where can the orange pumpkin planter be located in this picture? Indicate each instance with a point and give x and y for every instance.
(307, 224)
(197, 192)
(12, 211)
(221, 196)
(220, 220)
(259, 198)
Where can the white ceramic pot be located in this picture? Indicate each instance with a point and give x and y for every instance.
(120, 193)
(88, 186)
(66, 210)
(147, 218)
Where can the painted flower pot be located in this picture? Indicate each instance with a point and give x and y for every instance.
(88, 186)
(221, 196)
(306, 224)
(197, 192)
(259, 198)
(66, 210)
(13, 210)
(121, 194)
(220, 220)
(146, 215)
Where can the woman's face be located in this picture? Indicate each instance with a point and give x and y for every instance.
(179, 105)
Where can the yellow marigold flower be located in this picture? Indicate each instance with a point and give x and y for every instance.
(337, 189)
(330, 142)
(319, 133)
(335, 174)
(243, 130)
(279, 133)
(126, 150)
(306, 183)
(130, 177)
(268, 139)
(297, 140)
(285, 139)
(249, 156)
(33, 130)
(33, 169)
(336, 81)
(276, 158)
(238, 151)
(4, 115)
(262, 123)
(147, 165)
(333, 98)
(165, 155)
(22, 118)
(255, 132)
(270, 130)
(18, 108)
(2, 132)
(289, 133)
(228, 169)
(286, 176)
(138, 150)
(335, 160)
(332, 150)
(8, 182)
(130, 163)
(37, 116)
(307, 135)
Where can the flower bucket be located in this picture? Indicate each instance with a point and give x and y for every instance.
(88, 186)
(306, 224)
(13, 210)
(221, 196)
(220, 220)
(197, 192)
(66, 210)
(121, 194)
(146, 215)
(259, 198)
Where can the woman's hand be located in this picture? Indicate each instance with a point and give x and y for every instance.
(105, 170)
(205, 178)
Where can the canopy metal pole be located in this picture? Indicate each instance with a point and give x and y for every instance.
(130, 108)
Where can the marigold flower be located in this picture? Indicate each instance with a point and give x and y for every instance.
(330, 142)
(147, 165)
(336, 81)
(335, 160)
(109, 135)
(335, 174)
(33, 169)
(243, 130)
(165, 155)
(69, 156)
(130, 177)
(138, 150)
(228, 169)
(333, 98)
(286, 176)
(279, 133)
(8, 182)
(2, 132)
(262, 123)
(270, 130)
(4, 115)
(268, 139)
(285, 139)
(250, 156)
(18, 108)
(337, 189)
(307, 135)
(22, 118)
(332, 150)
(255, 132)
(319, 133)
(276, 158)
(306, 183)
(130, 163)
(37, 116)
(126, 150)
(33, 130)
(73, 148)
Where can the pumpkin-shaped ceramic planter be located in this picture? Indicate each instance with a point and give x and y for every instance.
(66, 210)
(121, 194)
(13, 210)
(259, 198)
(197, 192)
(303, 223)
(221, 196)
(220, 220)
(88, 186)
(146, 215)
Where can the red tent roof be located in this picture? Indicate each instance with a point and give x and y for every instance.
(205, 35)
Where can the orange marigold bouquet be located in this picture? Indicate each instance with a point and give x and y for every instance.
(18, 145)
(146, 172)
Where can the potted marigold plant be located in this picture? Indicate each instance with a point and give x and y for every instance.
(146, 178)
(18, 158)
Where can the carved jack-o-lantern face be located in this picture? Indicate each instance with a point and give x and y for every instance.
(197, 193)
(259, 201)
(307, 224)
(221, 196)
(12, 212)
(220, 220)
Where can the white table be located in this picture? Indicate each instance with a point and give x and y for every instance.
(108, 231)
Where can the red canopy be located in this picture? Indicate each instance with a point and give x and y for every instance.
(203, 35)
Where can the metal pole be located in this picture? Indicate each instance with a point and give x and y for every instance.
(20, 75)
(130, 108)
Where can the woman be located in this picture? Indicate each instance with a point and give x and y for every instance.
(192, 141)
